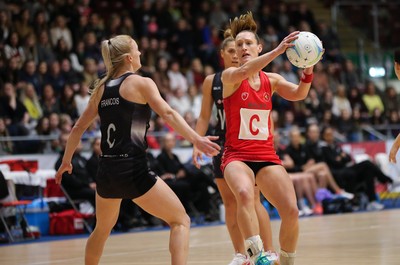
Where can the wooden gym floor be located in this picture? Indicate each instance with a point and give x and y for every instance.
(368, 238)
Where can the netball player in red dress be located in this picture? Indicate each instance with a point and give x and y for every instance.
(249, 158)
(212, 95)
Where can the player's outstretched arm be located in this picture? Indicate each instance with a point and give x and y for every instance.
(149, 90)
(394, 149)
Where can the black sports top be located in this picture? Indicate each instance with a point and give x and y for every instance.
(216, 92)
(123, 123)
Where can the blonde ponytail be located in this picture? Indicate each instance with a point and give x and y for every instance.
(113, 51)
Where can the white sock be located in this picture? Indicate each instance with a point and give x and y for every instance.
(287, 258)
(253, 246)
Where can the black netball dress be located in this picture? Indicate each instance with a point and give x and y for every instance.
(123, 170)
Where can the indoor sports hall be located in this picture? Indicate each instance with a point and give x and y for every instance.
(62, 60)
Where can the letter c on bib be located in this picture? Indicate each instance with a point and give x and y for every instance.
(252, 118)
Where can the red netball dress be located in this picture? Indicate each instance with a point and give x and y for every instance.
(248, 136)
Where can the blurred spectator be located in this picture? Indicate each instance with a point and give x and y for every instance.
(182, 42)
(161, 78)
(179, 101)
(71, 76)
(30, 48)
(349, 76)
(5, 25)
(11, 108)
(371, 99)
(79, 185)
(305, 161)
(351, 177)
(12, 71)
(44, 48)
(59, 30)
(176, 78)
(341, 102)
(303, 13)
(31, 102)
(89, 71)
(92, 48)
(49, 100)
(56, 78)
(43, 129)
(330, 42)
(40, 22)
(175, 172)
(218, 16)
(195, 74)
(333, 70)
(6, 146)
(195, 98)
(23, 25)
(320, 82)
(67, 102)
(313, 107)
(288, 73)
(82, 98)
(30, 75)
(13, 48)
(391, 100)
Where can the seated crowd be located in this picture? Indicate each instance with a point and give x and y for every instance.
(50, 54)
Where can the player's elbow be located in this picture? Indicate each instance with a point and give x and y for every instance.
(168, 114)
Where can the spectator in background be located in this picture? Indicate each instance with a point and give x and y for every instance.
(320, 82)
(305, 162)
(56, 78)
(40, 22)
(49, 101)
(6, 146)
(79, 185)
(61, 31)
(11, 108)
(89, 71)
(31, 102)
(71, 76)
(44, 48)
(30, 48)
(195, 74)
(11, 74)
(351, 177)
(304, 183)
(176, 78)
(180, 101)
(13, 48)
(161, 78)
(5, 25)
(67, 102)
(43, 129)
(82, 98)
(29, 75)
(23, 25)
(330, 41)
(349, 76)
(288, 73)
(371, 99)
(341, 102)
(391, 100)
(174, 171)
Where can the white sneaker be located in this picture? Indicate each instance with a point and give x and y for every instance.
(375, 206)
(240, 259)
(346, 194)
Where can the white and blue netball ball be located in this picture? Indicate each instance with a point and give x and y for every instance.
(307, 51)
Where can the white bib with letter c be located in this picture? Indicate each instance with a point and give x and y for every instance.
(254, 124)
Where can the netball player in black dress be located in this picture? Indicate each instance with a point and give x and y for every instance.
(123, 100)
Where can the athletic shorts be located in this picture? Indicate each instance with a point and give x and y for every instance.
(257, 166)
(124, 177)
